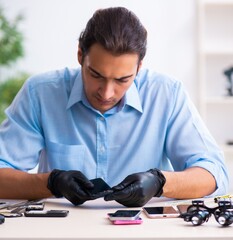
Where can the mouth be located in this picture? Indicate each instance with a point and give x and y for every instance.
(105, 102)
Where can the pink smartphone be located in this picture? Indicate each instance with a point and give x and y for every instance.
(127, 222)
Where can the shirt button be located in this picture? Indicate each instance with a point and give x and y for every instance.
(102, 118)
(102, 149)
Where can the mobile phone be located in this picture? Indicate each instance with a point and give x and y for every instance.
(48, 213)
(124, 215)
(160, 212)
(35, 207)
(127, 222)
(100, 186)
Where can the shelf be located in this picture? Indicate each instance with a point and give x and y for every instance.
(219, 100)
(217, 31)
(218, 2)
(216, 51)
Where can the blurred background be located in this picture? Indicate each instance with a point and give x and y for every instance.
(50, 31)
(191, 40)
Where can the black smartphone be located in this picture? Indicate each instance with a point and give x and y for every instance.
(124, 215)
(48, 213)
(100, 186)
(160, 212)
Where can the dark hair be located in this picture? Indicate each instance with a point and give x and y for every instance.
(117, 29)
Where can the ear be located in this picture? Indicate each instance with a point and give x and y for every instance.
(139, 66)
(80, 56)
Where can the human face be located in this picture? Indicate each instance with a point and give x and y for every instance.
(106, 77)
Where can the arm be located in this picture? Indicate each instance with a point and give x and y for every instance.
(21, 141)
(21, 185)
(196, 158)
(73, 185)
(138, 188)
(193, 182)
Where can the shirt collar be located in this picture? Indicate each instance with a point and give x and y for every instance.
(76, 91)
(131, 97)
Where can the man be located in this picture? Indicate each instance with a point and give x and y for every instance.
(134, 128)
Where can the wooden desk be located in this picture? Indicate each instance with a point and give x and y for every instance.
(89, 222)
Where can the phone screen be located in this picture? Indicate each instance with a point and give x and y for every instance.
(124, 215)
(158, 212)
(99, 186)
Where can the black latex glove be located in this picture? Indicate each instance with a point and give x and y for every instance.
(138, 188)
(73, 185)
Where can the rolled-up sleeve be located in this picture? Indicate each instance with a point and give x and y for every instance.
(21, 138)
(189, 143)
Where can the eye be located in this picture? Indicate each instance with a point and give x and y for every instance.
(96, 76)
(122, 80)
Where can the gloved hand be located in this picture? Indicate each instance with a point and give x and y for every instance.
(73, 185)
(138, 188)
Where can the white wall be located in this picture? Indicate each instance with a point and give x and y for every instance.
(52, 27)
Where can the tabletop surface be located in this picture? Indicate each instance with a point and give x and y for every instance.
(89, 221)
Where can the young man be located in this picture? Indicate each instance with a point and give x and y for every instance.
(134, 128)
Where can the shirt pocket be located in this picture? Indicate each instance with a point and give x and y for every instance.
(65, 157)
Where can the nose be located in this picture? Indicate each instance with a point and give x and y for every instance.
(106, 91)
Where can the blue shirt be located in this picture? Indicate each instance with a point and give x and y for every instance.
(155, 125)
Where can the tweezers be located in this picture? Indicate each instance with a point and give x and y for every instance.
(17, 209)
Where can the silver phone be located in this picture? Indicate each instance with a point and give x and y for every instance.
(161, 212)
